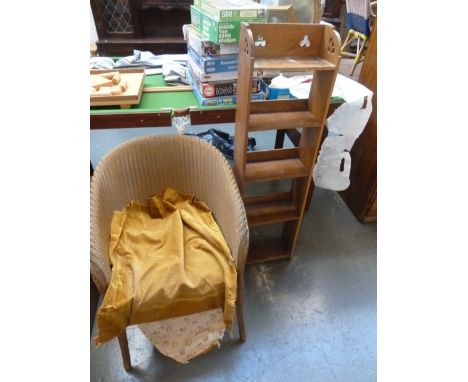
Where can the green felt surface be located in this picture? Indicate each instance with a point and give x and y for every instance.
(155, 102)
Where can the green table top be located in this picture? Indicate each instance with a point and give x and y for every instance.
(155, 102)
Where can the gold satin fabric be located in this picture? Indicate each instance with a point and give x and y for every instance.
(169, 259)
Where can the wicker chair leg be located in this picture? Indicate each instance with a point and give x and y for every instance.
(240, 321)
(240, 306)
(123, 343)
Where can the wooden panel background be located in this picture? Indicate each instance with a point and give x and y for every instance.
(361, 195)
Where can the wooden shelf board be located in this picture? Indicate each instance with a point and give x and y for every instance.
(275, 154)
(283, 120)
(271, 249)
(293, 64)
(275, 169)
(279, 105)
(267, 198)
(271, 212)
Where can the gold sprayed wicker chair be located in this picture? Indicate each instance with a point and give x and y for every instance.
(142, 167)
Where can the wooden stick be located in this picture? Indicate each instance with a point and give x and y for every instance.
(164, 89)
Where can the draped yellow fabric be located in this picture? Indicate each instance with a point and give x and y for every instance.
(169, 259)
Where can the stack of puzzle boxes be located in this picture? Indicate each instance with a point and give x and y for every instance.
(213, 46)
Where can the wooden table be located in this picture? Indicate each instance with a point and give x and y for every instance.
(155, 110)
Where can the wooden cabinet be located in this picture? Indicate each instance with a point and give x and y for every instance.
(332, 13)
(154, 25)
(361, 195)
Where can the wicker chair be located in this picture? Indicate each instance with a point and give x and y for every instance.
(142, 167)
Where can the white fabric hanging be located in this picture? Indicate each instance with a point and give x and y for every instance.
(344, 127)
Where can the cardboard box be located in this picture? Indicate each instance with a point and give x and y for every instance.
(221, 101)
(222, 88)
(226, 32)
(275, 93)
(232, 9)
(215, 64)
(201, 76)
(203, 47)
